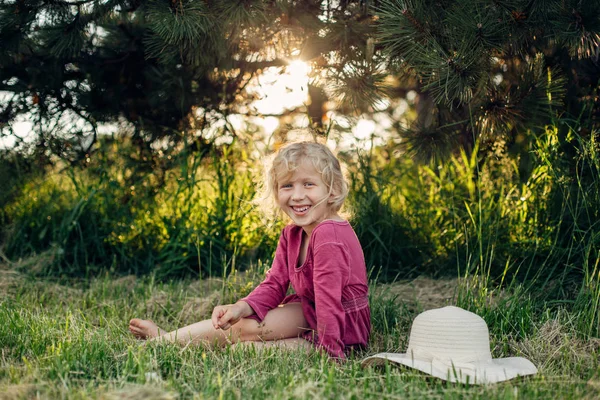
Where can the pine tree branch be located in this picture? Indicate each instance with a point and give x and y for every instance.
(253, 66)
(70, 3)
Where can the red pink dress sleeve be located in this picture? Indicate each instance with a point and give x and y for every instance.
(271, 292)
(330, 275)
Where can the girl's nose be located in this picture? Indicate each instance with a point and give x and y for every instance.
(298, 194)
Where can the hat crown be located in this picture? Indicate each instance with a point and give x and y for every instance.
(449, 333)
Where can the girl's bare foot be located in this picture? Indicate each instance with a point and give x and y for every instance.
(145, 329)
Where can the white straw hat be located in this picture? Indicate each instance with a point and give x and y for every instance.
(454, 344)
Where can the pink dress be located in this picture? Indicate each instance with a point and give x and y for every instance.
(331, 285)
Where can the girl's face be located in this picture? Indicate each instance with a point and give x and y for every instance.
(305, 197)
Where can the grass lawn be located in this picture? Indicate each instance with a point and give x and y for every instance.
(70, 340)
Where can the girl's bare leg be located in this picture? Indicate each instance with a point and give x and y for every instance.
(284, 322)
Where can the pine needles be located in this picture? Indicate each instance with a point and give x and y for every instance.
(183, 30)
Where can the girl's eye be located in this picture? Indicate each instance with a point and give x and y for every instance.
(285, 186)
(309, 184)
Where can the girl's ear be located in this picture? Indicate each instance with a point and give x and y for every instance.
(331, 198)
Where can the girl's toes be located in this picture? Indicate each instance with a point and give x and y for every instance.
(135, 322)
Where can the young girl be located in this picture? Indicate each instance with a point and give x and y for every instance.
(319, 254)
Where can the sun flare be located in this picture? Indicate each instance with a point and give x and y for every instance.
(282, 88)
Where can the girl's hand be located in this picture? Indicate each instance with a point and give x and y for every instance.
(223, 317)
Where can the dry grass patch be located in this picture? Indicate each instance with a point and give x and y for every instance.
(10, 280)
(421, 293)
(20, 391)
(127, 282)
(138, 392)
(556, 350)
(197, 309)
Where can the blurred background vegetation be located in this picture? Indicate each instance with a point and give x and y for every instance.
(133, 140)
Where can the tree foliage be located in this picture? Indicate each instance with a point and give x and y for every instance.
(493, 68)
(170, 69)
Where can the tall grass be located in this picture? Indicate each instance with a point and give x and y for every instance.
(183, 220)
(496, 223)
(489, 216)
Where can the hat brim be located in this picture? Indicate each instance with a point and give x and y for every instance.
(480, 372)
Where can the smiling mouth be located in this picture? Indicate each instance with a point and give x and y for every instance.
(300, 209)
